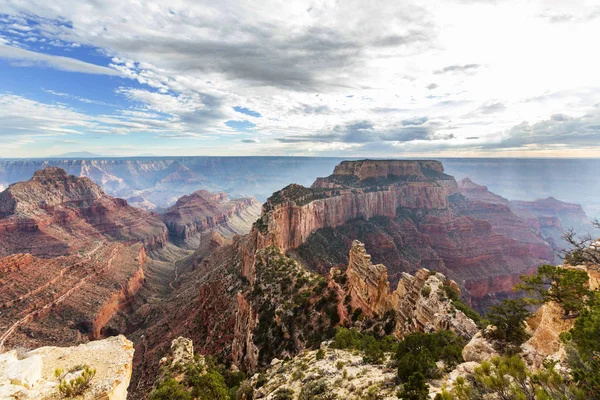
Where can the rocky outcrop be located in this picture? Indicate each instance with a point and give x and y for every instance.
(343, 373)
(202, 211)
(413, 216)
(32, 375)
(368, 285)
(419, 302)
(479, 348)
(182, 351)
(56, 214)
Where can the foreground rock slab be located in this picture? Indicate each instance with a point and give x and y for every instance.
(32, 375)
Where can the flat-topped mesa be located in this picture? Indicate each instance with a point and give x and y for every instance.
(360, 189)
(385, 172)
(385, 168)
(419, 303)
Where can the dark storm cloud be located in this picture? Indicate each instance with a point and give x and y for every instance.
(297, 63)
(458, 69)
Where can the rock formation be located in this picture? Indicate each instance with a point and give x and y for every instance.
(32, 375)
(419, 301)
(74, 258)
(55, 214)
(413, 216)
(202, 211)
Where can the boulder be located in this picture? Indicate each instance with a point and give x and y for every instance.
(32, 376)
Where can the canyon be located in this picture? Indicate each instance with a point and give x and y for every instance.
(73, 259)
(248, 283)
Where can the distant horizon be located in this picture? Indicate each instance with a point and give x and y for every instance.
(355, 158)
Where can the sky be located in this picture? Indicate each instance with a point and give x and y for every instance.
(388, 78)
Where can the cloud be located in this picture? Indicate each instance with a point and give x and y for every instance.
(58, 62)
(559, 129)
(25, 118)
(492, 108)
(466, 68)
(365, 132)
(415, 121)
(314, 77)
(250, 141)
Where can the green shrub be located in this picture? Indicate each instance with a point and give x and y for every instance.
(284, 394)
(565, 286)
(416, 388)
(210, 386)
(509, 319)
(418, 353)
(170, 389)
(320, 354)
(316, 390)
(76, 386)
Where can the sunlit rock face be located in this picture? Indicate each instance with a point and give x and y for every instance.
(32, 375)
(202, 211)
(419, 301)
(411, 215)
(71, 257)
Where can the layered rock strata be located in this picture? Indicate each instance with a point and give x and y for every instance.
(419, 301)
(56, 214)
(202, 211)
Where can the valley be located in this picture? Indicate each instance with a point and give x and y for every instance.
(374, 245)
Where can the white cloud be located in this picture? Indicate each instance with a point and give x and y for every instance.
(58, 62)
(314, 69)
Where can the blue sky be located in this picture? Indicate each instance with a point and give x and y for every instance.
(309, 78)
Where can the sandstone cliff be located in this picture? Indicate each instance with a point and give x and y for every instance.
(419, 301)
(74, 258)
(412, 215)
(202, 211)
(57, 214)
(32, 375)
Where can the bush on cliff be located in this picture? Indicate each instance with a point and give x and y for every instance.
(458, 304)
(508, 378)
(374, 348)
(509, 319)
(170, 389)
(584, 348)
(418, 353)
(565, 286)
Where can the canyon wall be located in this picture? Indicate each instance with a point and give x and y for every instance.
(413, 215)
(203, 210)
